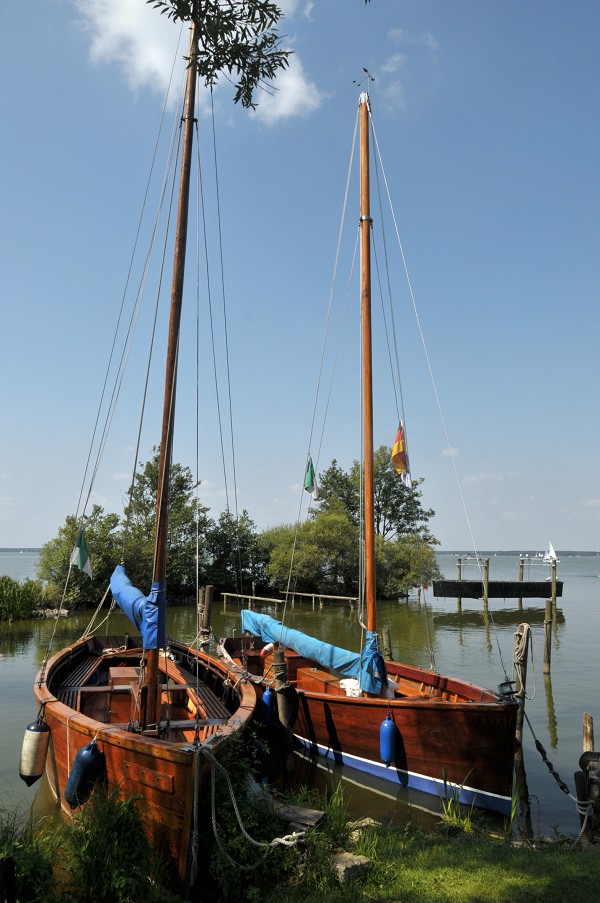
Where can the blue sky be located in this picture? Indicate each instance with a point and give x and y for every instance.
(487, 118)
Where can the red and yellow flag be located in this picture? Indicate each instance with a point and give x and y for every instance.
(400, 457)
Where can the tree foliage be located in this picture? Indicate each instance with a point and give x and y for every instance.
(103, 537)
(236, 37)
(236, 559)
(398, 510)
(321, 554)
(187, 519)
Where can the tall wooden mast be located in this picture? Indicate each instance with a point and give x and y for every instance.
(367, 354)
(166, 442)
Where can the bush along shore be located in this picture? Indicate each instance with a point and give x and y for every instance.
(20, 600)
(102, 856)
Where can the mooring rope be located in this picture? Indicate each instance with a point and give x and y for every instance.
(288, 840)
(585, 808)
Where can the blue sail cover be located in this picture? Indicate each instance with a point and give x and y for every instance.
(147, 613)
(368, 667)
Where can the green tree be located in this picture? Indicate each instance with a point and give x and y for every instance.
(324, 550)
(103, 541)
(236, 37)
(402, 564)
(236, 557)
(187, 521)
(398, 510)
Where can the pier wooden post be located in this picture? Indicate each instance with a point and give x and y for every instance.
(521, 684)
(521, 577)
(486, 582)
(554, 588)
(547, 636)
(588, 732)
(459, 577)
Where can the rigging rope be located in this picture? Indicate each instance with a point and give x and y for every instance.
(321, 369)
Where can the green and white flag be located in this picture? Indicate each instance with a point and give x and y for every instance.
(310, 481)
(80, 557)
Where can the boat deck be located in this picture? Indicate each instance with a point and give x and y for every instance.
(107, 688)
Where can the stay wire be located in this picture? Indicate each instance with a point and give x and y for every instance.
(431, 375)
(322, 361)
(124, 296)
(81, 509)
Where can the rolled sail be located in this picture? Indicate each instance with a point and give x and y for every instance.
(146, 613)
(368, 667)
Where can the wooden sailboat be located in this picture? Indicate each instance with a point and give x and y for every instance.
(413, 727)
(144, 716)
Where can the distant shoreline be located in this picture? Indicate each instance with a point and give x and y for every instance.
(20, 548)
(532, 553)
(516, 554)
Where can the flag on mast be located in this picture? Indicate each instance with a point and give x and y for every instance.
(310, 481)
(400, 457)
(80, 557)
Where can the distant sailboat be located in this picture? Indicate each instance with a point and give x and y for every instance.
(550, 555)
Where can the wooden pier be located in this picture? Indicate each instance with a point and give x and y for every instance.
(485, 589)
(249, 599)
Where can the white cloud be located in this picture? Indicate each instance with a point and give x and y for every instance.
(591, 503)
(293, 95)
(135, 36)
(144, 43)
(425, 39)
(393, 64)
(480, 478)
(450, 453)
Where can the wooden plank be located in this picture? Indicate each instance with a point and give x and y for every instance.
(497, 589)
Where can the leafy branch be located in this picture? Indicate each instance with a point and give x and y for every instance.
(236, 37)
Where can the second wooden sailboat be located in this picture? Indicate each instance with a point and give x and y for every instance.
(413, 727)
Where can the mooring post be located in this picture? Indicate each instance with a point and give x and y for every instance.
(459, 577)
(587, 781)
(205, 613)
(521, 656)
(554, 588)
(547, 636)
(486, 581)
(387, 644)
(588, 732)
(521, 577)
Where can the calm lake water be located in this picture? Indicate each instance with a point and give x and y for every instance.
(463, 644)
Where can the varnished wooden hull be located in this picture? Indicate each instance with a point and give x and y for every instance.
(463, 748)
(161, 772)
(452, 738)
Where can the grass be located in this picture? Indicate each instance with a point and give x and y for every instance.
(103, 857)
(413, 866)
